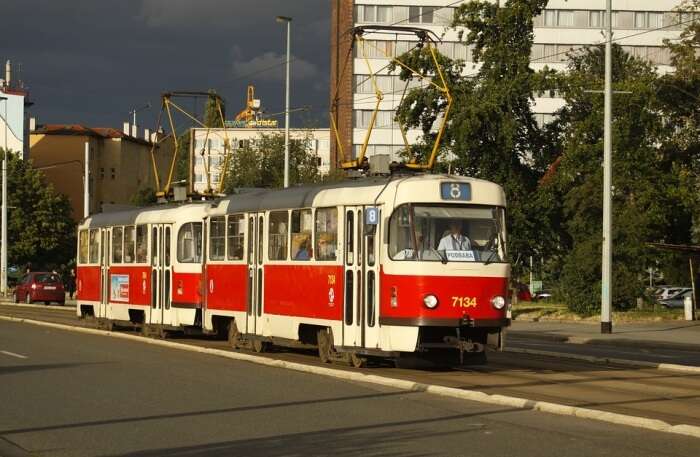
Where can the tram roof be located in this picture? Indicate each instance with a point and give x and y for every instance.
(293, 197)
(350, 192)
(128, 217)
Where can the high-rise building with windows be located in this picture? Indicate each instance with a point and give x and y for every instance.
(207, 150)
(639, 26)
(14, 113)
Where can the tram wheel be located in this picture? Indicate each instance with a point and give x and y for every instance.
(260, 346)
(324, 345)
(357, 361)
(234, 336)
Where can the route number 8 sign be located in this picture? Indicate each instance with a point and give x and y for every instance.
(455, 191)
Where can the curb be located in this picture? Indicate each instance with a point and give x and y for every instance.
(625, 342)
(65, 307)
(609, 360)
(471, 395)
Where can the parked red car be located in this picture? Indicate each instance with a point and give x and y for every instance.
(40, 286)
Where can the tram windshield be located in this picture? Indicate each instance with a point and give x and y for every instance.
(447, 233)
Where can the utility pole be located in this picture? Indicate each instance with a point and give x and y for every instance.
(288, 20)
(86, 184)
(606, 289)
(3, 249)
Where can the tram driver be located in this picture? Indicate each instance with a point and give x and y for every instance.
(454, 240)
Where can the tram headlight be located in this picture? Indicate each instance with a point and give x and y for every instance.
(498, 302)
(430, 301)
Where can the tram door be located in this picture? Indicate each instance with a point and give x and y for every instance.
(160, 274)
(106, 237)
(371, 239)
(255, 272)
(352, 299)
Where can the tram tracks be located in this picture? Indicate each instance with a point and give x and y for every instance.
(654, 394)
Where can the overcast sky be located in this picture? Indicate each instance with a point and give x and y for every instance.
(91, 62)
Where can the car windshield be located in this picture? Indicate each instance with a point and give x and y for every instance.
(47, 278)
(421, 232)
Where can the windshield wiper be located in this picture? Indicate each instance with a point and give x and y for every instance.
(442, 255)
(490, 257)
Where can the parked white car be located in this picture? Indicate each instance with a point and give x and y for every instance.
(666, 292)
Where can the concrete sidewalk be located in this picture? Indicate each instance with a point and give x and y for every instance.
(683, 335)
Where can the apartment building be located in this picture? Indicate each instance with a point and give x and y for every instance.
(207, 150)
(640, 26)
(119, 163)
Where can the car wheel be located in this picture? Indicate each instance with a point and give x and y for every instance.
(47, 303)
(28, 298)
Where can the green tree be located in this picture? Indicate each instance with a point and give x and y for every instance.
(260, 163)
(40, 229)
(679, 101)
(643, 198)
(492, 133)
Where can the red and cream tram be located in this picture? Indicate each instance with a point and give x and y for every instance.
(372, 267)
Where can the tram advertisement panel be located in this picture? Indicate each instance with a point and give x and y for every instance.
(119, 290)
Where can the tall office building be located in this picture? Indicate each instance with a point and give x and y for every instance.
(639, 26)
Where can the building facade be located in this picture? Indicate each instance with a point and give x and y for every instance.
(14, 113)
(207, 150)
(119, 164)
(639, 26)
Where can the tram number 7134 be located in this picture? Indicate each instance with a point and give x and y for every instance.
(464, 302)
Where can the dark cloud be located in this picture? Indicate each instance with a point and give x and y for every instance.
(91, 61)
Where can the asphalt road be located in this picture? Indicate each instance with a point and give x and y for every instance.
(71, 394)
(669, 396)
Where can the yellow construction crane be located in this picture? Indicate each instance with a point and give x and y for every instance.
(252, 107)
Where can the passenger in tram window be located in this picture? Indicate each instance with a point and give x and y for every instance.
(327, 249)
(141, 253)
(304, 251)
(454, 240)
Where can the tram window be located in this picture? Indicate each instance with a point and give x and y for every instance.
(141, 244)
(129, 243)
(464, 233)
(117, 246)
(189, 243)
(217, 238)
(370, 250)
(166, 247)
(260, 241)
(236, 231)
(277, 232)
(83, 247)
(371, 234)
(154, 246)
(326, 233)
(349, 237)
(301, 234)
(370, 298)
(94, 246)
(251, 235)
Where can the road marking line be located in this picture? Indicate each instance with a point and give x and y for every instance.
(12, 354)
(401, 384)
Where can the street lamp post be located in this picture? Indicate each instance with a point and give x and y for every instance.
(288, 21)
(3, 249)
(606, 289)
